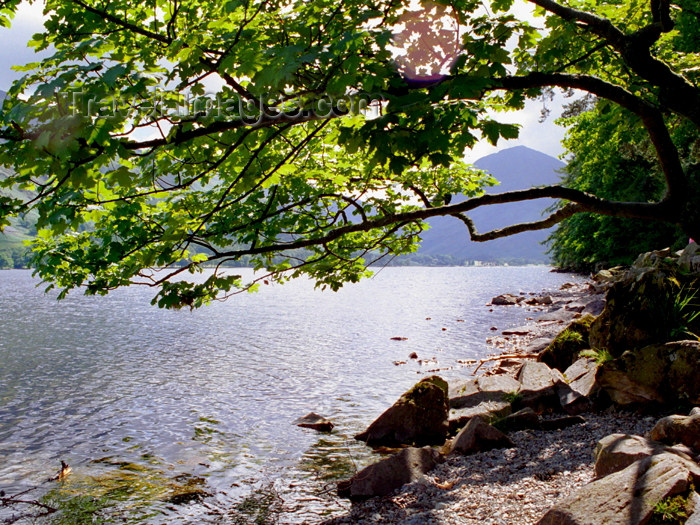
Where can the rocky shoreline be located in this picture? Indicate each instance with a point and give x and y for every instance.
(552, 457)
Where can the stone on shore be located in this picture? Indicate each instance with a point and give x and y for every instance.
(567, 345)
(314, 421)
(419, 417)
(678, 429)
(478, 436)
(470, 393)
(617, 451)
(385, 476)
(627, 497)
(561, 315)
(578, 394)
(506, 300)
(636, 312)
(538, 387)
(484, 396)
(663, 373)
(520, 330)
(689, 259)
(542, 300)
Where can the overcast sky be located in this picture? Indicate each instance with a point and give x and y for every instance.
(544, 137)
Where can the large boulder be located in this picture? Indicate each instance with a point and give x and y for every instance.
(617, 451)
(419, 417)
(479, 436)
(627, 497)
(664, 373)
(566, 347)
(678, 429)
(538, 387)
(640, 310)
(385, 476)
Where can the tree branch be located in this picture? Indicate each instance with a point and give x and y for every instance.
(652, 118)
(597, 25)
(555, 218)
(586, 203)
(263, 121)
(123, 23)
(677, 92)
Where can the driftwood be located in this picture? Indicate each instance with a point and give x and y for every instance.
(504, 356)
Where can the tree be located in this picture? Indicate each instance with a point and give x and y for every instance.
(615, 161)
(287, 157)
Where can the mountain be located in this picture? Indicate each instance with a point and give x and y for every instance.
(516, 168)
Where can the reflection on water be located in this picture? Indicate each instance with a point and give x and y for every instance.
(213, 393)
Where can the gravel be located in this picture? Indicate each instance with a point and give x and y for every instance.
(500, 487)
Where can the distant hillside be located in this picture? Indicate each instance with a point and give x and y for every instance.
(516, 168)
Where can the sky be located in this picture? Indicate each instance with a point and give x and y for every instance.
(545, 137)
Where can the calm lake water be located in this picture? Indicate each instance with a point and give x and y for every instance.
(145, 404)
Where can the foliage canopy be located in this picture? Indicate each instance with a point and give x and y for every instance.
(286, 156)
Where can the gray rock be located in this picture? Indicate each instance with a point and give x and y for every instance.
(541, 300)
(506, 300)
(557, 315)
(694, 503)
(484, 396)
(678, 429)
(651, 259)
(576, 396)
(537, 345)
(664, 373)
(626, 497)
(487, 410)
(575, 307)
(594, 308)
(572, 401)
(520, 330)
(520, 420)
(617, 451)
(636, 312)
(689, 259)
(623, 390)
(469, 394)
(538, 387)
(315, 422)
(479, 436)
(580, 368)
(695, 411)
(385, 476)
(419, 417)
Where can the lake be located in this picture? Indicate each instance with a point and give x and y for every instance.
(151, 406)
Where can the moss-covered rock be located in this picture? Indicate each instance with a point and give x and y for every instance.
(664, 373)
(419, 417)
(638, 312)
(649, 305)
(566, 347)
